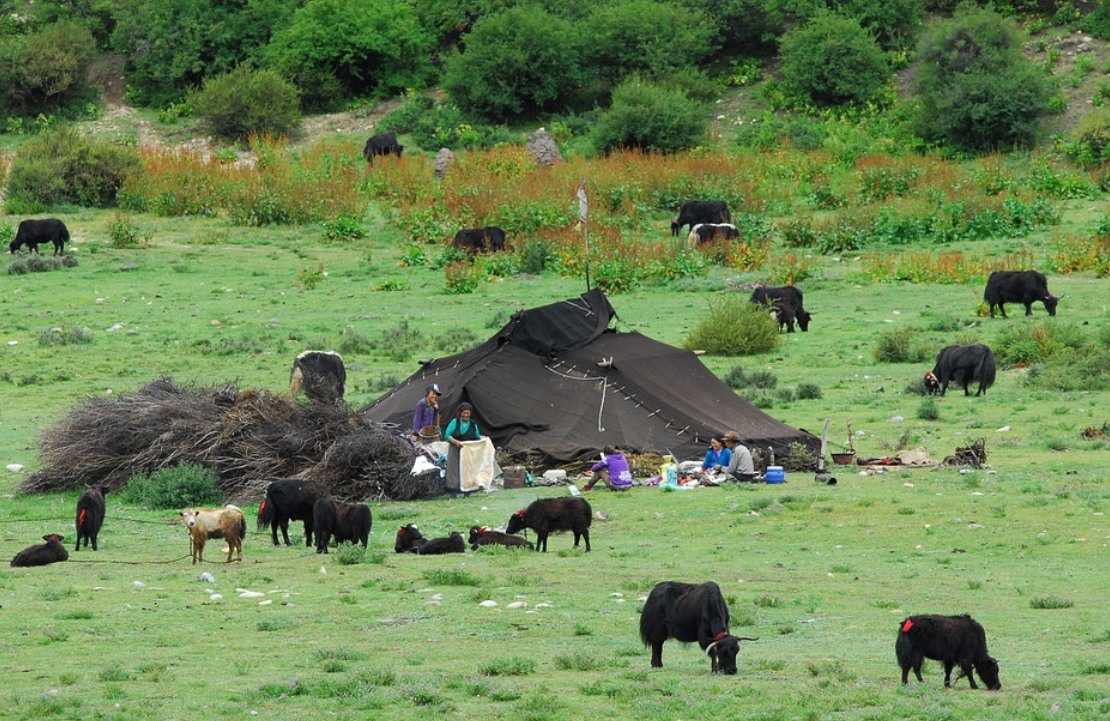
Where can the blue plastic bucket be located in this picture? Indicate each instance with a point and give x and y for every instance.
(775, 474)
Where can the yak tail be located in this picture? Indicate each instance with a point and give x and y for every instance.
(986, 371)
(265, 514)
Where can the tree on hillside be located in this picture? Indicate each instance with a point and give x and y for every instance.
(172, 45)
(338, 49)
(977, 89)
(515, 64)
(649, 37)
(832, 60)
(45, 71)
(649, 117)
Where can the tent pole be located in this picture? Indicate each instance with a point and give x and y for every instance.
(582, 210)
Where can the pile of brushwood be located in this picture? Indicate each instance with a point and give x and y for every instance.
(248, 438)
(974, 455)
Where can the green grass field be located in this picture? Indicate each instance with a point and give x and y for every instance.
(820, 574)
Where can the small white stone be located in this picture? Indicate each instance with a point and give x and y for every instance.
(207, 577)
(13, 342)
(251, 594)
(215, 597)
(137, 584)
(15, 467)
(437, 597)
(488, 604)
(267, 602)
(323, 570)
(517, 604)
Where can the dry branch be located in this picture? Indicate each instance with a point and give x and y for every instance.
(248, 438)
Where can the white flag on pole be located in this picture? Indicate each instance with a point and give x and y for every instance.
(583, 204)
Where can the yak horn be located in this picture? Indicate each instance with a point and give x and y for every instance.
(710, 647)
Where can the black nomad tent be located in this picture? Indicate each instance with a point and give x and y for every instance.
(557, 381)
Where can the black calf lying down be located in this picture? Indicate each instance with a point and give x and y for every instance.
(484, 536)
(50, 552)
(437, 546)
(955, 640)
(409, 539)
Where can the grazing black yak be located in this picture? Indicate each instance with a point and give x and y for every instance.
(690, 612)
(955, 640)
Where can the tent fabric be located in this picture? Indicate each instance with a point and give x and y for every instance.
(557, 381)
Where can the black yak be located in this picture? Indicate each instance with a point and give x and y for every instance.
(382, 144)
(290, 499)
(690, 612)
(554, 514)
(955, 640)
(962, 364)
(787, 304)
(33, 232)
(1018, 286)
(90, 515)
(484, 536)
(409, 539)
(345, 521)
(480, 240)
(693, 212)
(42, 554)
(438, 546)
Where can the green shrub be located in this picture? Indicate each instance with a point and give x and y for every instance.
(46, 71)
(435, 124)
(1038, 342)
(180, 486)
(894, 23)
(245, 102)
(977, 89)
(1074, 370)
(344, 227)
(809, 391)
(349, 554)
(337, 49)
(123, 232)
(64, 167)
(516, 63)
(1090, 144)
(927, 410)
(902, 345)
(734, 326)
(648, 116)
(533, 256)
(462, 277)
(1097, 22)
(832, 60)
(56, 336)
(640, 36)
